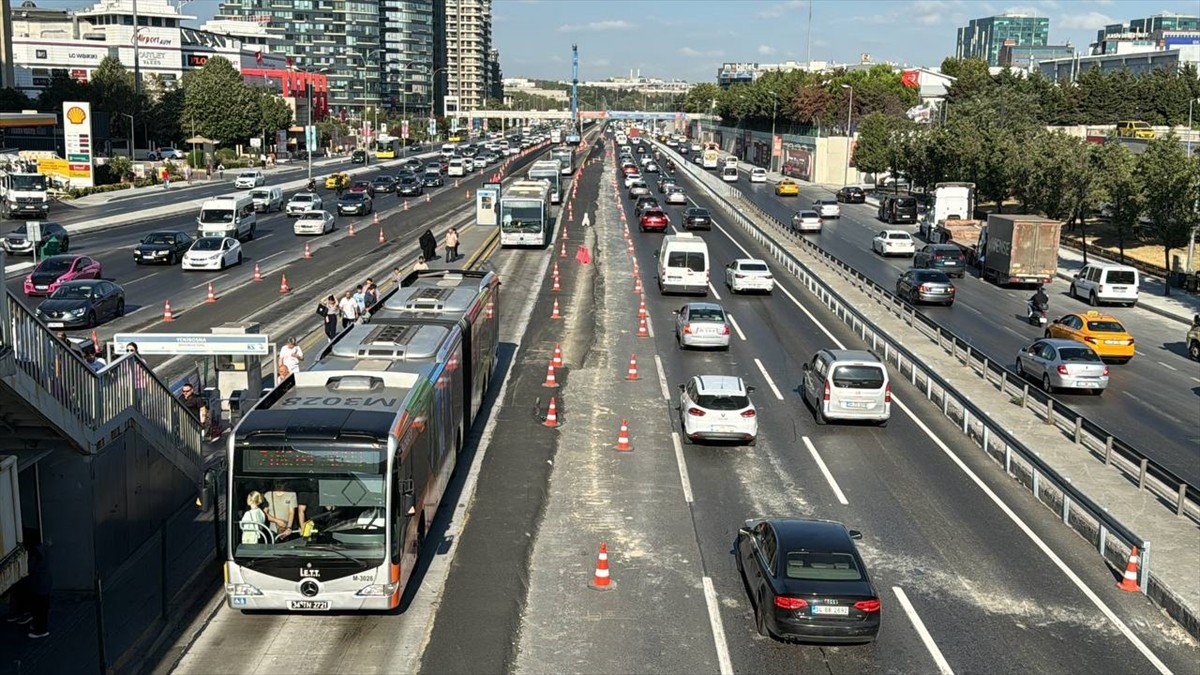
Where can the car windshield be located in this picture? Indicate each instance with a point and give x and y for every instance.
(898, 235)
(821, 566)
(945, 254)
(312, 215)
(692, 260)
(722, 401)
(1077, 355)
(753, 267)
(55, 265)
(161, 239)
(216, 215)
(259, 194)
(1105, 326)
(208, 244)
(706, 314)
(29, 182)
(73, 292)
(431, 176)
(858, 377)
(906, 202)
(827, 202)
(408, 180)
(353, 198)
(362, 184)
(382, 180)
(247, 175)
(302, 198)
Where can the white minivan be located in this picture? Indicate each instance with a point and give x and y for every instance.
(1106, 283)
(456, 167)
(683, 264)
(847, 384)
(729, 174)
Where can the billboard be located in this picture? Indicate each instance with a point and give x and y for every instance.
(77, 141)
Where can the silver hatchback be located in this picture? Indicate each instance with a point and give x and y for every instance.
(702, 324)
(1063, 364)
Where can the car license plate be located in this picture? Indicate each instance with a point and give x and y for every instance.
(1087, 385)
(1114, 342)
(723, 430)
(853, 404)
(309, 605)
(54, 324)
(39, 288)
(834, 610)
(1119, 289)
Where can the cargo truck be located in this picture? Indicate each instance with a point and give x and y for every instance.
(953, 203)
(1018, 249)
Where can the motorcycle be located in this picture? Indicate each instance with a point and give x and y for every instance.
(1035, 315)
(312, 186)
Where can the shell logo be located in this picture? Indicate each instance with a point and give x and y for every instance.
(76, 115)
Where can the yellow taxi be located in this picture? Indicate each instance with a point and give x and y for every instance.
(787, 188)
(331, 182)
(1102, 332)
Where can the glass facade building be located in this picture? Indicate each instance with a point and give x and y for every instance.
(983, 38)
(409, 44)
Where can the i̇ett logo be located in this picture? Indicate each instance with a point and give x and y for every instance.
(76, 115)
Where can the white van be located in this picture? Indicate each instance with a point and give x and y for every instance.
(1106, 283)
(267, 199)
(847, 384)
(683, 264)
(729, 174)
(730, 161)
(456, 167)
(448, 150)
(227, 216)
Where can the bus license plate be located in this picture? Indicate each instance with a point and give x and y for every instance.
(834, 610)
(54, 324)
(309, 605)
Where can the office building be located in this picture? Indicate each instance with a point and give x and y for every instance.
(1135, 61)
(730, 74)
(409, 44)
(1026, 57)
(462, 56)
(983, 38)
(495, 76)
(340, 39)
(1164, 31)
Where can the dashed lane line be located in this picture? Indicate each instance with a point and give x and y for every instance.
(662, 377)
(683, 472)
(713, 289)
(141, 278)
(733, 322)
(837, 490)
(718, 628)
(1167, 366)
(770, 383)
(919, 625)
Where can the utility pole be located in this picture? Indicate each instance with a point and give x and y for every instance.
(575, 90)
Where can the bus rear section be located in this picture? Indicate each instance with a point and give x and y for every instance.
(525, 214)
(550, 171)
(566, 160)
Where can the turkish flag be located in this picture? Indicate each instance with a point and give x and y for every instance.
(911, 78)
(258, 56)
(289, 62)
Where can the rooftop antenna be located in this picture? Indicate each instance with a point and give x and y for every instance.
(808, 56)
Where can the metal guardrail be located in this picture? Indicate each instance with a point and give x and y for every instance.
(1076, 509)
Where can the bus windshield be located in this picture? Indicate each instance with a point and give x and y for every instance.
(216, 215)
(341, 491)
(521, 217)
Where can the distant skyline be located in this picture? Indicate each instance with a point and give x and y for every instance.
(690, 39)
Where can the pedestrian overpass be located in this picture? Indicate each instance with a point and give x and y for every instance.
(563, 115)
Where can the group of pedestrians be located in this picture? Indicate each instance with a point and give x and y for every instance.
(338, 314)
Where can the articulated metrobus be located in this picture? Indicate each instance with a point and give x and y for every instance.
(566, 160)
(337, 473)
(387, 147)
(525, 214)
(549, 170)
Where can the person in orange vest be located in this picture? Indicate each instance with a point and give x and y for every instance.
(166, 178)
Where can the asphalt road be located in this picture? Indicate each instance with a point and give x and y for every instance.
(1151, 402)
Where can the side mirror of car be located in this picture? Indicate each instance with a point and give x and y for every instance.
(750, 390)
(746, 532)
(680, 387)
(855, 534)
(806, 367)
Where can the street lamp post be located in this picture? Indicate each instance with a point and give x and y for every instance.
(130, 135)
(849, 113)
(1191, 249)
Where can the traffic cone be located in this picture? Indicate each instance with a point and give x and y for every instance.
(467, 194)
(211, 296)
(550, 379)
(623, 438)
(557, 360)
(600, 580)
(381, 239)
(556, 287)
(405, 204)
(351, 232)
(257, 272)
(632, 374)
(552, 414)
(1129, 582)
(555, 272)
(167, 311)
(428, 198)
(377, 218)
(563, 252)
(455, 182)
(642, 308)
(637, 283)
(643, 330)
(565, 237)
(283, 286)
(307, 251)
(554, 315)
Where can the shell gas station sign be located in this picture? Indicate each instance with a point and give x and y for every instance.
(77, 136)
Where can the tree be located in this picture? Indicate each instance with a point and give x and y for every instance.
(700, 97)
(13, 100)
(872, 153)
(1121, 188)
(111, 90)
(971, 78)
(1171, 187)
(275, 113)
(122, 167)
(217, 103)
(62, 87)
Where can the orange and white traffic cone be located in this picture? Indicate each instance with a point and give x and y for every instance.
(555, 272)
(211, 296)
(405, 204)
(565, 237)
(643, 330)
(351, 232)
(551, 381)
(307, 251)
(642, 308)
(257, 272)
(167, 316)
(600, 580)
(428, 198)
(376, 218)
(284, 289)
(382, 240)
(554, 315)
(467, 194)
(563, 253)
(557, 360)
(1129, 581)
(632, 375)
(623, 438)
(552, 414)
(556, 287)
(637, 283)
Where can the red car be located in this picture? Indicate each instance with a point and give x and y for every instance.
(363, 186)
(653, 219)
(53, 271)
(629, 169)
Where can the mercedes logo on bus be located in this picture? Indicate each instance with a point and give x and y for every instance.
(309, 588)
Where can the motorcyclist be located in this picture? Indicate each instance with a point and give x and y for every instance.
(1040, 302)
(312, 185)
(670, 166)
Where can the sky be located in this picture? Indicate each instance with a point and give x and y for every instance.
(690, 39)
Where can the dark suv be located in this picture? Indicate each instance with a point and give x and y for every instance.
(898, 209)
(945, 257)
(697, 218)
(852, 194)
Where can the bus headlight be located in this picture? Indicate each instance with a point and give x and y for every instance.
(242, 589)
(377, 590)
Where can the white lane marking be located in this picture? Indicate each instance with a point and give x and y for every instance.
(1004, 508)
(649, 326)
(662, 377)
(837, 491)
(1196, 379)
(1166, 365)
(265, 236)
(202, 284)
(718, 629)
(733, 322)
(713, 290)
(1045, 548)
(683, 472)
(770, 383)
(266, 258)
(942, 664)
(141, 278)
(1014, 332)
(972, 309)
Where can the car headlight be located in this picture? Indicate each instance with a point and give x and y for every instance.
(242, 589)
(78, 312)
(377, 590)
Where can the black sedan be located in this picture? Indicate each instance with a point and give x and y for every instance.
(432, 179)
(409, 186)
(696, 218)
(82, 304)
(162, 247)
(807, 581)
(17, 241)
(354, 203)
(852, 194)
(384, 184)
(412, 164)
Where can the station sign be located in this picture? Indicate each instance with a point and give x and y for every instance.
(77, 138)
(197, 344)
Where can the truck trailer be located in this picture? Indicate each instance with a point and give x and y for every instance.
(1018, 249)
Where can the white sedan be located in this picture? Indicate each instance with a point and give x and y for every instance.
(213, 253)
(302, 202)
(248, 180)
(314, 222)
(758, 175)
(676, 196)
(631, 178)
(893, 242)
(749, 274)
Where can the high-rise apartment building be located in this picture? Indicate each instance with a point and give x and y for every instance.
(409, 43)
(495, 76)
(465, 27)
(983, 38)
(341, 39)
